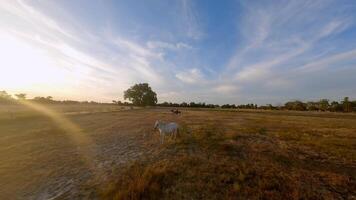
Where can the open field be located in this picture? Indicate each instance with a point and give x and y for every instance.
(16, 111)
(113, 153)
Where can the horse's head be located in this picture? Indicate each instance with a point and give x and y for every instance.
(156, 124)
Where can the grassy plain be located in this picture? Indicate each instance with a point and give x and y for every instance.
(220, 154)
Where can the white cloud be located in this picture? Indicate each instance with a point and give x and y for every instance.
(277, 83)
(276, 37)
(328, 61)
(181, 45)
(134, 48)
(166, 45)
(262, 70)
(252, 74)
(191, 23)
(273, 44)
(226, 88)
(70, 52)
(33, 20)
(192, 76)
(333, 27)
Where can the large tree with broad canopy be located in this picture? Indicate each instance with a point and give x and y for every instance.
(141, 94)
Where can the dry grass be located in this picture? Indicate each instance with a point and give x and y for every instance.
(247, 155)
(11, 112)
(219, 155)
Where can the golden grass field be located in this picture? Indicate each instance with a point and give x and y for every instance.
(109, 152)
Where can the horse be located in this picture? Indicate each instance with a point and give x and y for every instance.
(175, 111)
(166, 128)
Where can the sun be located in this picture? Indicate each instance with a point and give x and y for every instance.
(25, 66)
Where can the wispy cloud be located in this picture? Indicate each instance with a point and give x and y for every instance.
(277, 36)
(130, 62)
(182, 49)
(226, 89)
(192, 76)
(327, 62)
(191, 22)
(170, 46)
(262, 70)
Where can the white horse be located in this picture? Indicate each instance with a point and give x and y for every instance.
(166, 129)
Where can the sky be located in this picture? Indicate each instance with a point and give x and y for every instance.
(228, 51)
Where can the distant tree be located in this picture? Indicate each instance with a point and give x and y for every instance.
(126, 103)
(21, 96)
(5, 97)
(228, 106)
(38, 99)
(312, 106)
(295, 105)
(48, 99)
(336, 107)
(346, 104)
(184, 104)
(353, 105)
(210, 105)
(270, 107)
(141, 95)
(324, 104)
(225, 106)
(192, 104)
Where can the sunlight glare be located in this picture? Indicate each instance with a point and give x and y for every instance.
(24, 67)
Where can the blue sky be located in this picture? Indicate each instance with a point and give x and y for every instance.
(211, 51)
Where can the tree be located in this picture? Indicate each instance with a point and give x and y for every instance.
(324, 104)
(346, 104)
(141, 95)
(295, 105)
(312, 106)
(353, 105)
(184, 104)
(5, 97)
(21, 96)
(4, 94)
(48, 99)
(336, 107)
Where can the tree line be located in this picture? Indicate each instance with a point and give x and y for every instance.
(345, 105)
(204, 105)
(6, 98)
(142, 95)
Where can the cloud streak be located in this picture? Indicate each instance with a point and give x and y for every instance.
(184, 50)
(281, 40)
(191, 21)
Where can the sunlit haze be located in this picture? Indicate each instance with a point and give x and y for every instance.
(236, 52)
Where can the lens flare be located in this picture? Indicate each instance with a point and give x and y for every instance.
(84, 143)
